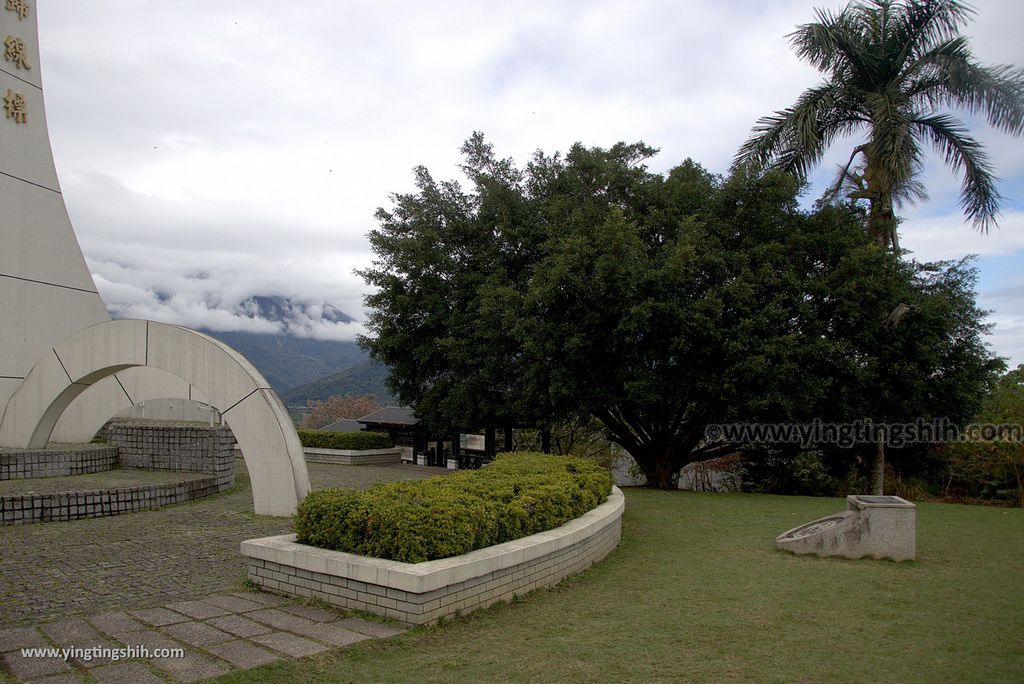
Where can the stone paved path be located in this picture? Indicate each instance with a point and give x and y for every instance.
(216, 634)
(150, 558)
(170, 578)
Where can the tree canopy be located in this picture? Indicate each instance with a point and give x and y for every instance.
(586, 285)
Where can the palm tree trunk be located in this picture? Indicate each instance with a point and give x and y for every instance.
(882, 220)
(878, 468)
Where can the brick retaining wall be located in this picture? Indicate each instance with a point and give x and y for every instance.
(33, 508)
(165, 446)
(57, 462)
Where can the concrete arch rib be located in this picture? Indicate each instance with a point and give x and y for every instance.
(269, 443)
(118, 393)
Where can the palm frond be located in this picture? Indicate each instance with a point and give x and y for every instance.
(948, 76)
(925, 23)
(893, 153)
(979, 198)
(833, 44)
(795, 139)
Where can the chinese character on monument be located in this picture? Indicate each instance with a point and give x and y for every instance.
(14, 104)
(15, 52)
(19, 6)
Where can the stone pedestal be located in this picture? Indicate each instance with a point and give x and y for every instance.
(871, 527)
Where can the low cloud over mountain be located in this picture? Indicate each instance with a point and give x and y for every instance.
(221, 302)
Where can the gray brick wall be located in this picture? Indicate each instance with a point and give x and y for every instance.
(166, 446)
(32, 508)
(18, 464)
(462, 597)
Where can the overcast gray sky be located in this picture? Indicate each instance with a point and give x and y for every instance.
(212, 150)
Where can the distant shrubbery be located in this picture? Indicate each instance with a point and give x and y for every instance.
(345, 440)
(514, 496)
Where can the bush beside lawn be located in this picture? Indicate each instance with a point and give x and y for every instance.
(514, 496)
(354, 441)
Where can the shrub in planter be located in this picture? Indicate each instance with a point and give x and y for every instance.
(514, 496)
(355, 441)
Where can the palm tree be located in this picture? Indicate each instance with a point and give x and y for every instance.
(891, 69)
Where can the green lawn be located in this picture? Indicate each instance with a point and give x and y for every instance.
(697, 592)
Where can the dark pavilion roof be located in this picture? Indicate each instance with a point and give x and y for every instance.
(343, 425)
(392, 415)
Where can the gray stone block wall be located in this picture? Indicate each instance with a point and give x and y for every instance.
(19, 464)
(353, 457)
(463, 597)
(33, 508)
(167, 446)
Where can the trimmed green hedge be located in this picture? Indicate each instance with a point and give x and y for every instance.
(516, 495)
(345, 440)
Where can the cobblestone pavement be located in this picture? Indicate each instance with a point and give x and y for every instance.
(179, 553)
(214, 635)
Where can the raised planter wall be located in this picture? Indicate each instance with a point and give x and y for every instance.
(56, 462)
(353, 456)
(132, 444)
(33, 508)
(418, 593)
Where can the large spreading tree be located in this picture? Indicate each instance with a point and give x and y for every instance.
(585, 285)
(893, 71)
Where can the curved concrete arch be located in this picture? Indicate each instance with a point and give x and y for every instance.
(269, 443)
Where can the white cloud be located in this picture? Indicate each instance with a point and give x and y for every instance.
(950, 236)
(250, 141)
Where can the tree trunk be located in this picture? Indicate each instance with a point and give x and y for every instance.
(664, 475)
(878, 469)
(882, 220)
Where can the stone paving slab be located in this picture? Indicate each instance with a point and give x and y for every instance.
(243, 654)
(289, 644)
(20, 637)
(116, 623)
(197, 634)
(235, 604)
(239, 625)
(158, 617)
(279, 619)
(205, 648)
(26, 669)
(331, 634)
(200, 610)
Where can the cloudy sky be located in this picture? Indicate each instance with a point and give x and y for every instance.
(213, 150)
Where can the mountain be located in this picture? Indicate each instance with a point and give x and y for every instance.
(290, 358)
(287, 361)
(289, 311)
(365, 377)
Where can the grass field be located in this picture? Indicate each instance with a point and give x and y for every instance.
(696, 592)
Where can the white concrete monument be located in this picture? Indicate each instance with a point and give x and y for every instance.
(871, 527)
(65, 366)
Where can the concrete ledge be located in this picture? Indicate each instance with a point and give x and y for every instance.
(418, 593)
(353, 456)
(56, 461)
